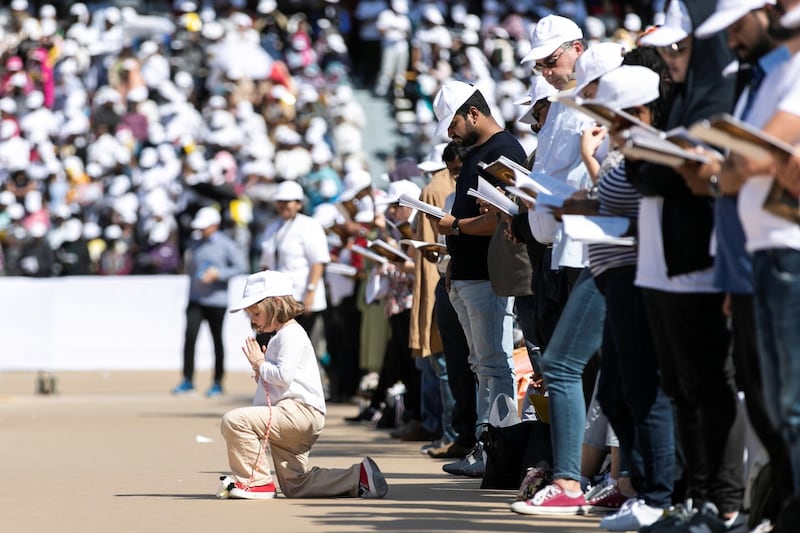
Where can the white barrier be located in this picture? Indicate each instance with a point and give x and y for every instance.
(107, 323)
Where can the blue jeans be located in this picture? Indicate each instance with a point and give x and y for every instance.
(437, 398)
(629, 389)
(487, 320)
(776, 276)
(576, 338)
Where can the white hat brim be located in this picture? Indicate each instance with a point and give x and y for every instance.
(664, 36)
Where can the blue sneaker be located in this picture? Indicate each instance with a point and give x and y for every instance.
(215, 390)
(185, 387)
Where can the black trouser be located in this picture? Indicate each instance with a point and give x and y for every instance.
(342, 327)
(552, 288)
(215, 316)
(459, 374)
(398, 365)
(691, 340)
(748, 377)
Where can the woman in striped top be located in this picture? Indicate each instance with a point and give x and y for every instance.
(628, 387)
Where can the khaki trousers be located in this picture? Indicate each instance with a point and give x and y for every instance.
(295, 428)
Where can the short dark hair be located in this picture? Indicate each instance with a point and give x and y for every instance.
(452, 151)
(478, 102)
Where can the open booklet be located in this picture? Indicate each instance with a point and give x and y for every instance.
(599, 112)
(728, 132)
(428, 209)
(425, 246)
(543, 190)
(744, 139)
(645, 145)
(393, 254)
(504, 169)
(369, 254)
(490, 194)
(341, 269)
(598, 229)
(404, 229)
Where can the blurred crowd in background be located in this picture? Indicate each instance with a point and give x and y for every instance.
(118, 122)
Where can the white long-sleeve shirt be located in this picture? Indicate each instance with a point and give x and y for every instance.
(290, 370)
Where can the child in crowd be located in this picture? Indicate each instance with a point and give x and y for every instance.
(288, 411)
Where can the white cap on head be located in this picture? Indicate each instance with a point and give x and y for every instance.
(435, 160)
(628, 86)
(540, 89)
(596, 61)
(549, 33)
(288, 191)
(354, 182)
(677, 26)
(448, 100)
(205, 218)
(398, 188)
(726, 13)
(791, 20)
(632, 22)
(261, 285)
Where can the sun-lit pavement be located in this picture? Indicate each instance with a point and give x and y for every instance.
(115, 452)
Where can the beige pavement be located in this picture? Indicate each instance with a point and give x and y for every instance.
(114, 452)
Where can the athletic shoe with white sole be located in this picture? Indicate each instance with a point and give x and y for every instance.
(372, 483)
(551, 500)
(632, 516)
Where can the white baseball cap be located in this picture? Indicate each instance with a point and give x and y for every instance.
(354, 182)
(261, 285)
(627, 86)
(540, 89)
(448, 100)
(549, 33)
(398, 188)
(677, 26)
(288, 191)
(599, 59)
(206, 217)
(726, 13)
(435, 160)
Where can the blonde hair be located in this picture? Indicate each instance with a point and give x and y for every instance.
(281, 308)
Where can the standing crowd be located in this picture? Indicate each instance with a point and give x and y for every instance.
(216, 143)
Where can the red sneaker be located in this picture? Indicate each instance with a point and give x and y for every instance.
(261, 492)
(607, 499)
(551, 500)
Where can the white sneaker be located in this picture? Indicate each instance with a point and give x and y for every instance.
(633, 515)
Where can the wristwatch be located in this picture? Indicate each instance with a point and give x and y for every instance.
(311, 287)
(454, 229)
(713, 186)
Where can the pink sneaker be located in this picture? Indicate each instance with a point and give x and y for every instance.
(551, 500)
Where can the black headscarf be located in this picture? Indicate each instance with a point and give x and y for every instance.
(687, 220)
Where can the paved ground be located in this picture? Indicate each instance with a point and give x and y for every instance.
(113, 452)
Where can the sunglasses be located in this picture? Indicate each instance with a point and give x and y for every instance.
(673, 50)
(552, 59)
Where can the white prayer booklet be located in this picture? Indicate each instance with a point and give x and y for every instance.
(643, 144)
(491, 195)
(383, 248)
(538, 184)
(726, 131)
(425, 246)
(369, 254)
(598, 229)
(419, 205)
(341, 269)
(599, 112)
(504, 169)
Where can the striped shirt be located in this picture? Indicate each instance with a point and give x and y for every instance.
(618, 198)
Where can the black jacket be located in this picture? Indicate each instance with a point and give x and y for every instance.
(687, 220)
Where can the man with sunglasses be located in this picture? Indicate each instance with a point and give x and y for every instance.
(564, 297)
(674, 269)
